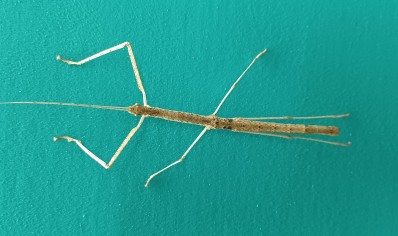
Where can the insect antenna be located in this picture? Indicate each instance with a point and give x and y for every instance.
(115, 108)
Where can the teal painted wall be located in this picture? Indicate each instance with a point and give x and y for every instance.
(325, 57)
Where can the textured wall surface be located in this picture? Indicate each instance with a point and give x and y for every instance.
(325, 57)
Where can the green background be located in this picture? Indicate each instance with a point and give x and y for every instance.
(325, 57)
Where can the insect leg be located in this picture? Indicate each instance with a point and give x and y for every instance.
(112, 49)
(237, 81)
(96, 158)
(179, 160)
(302, 138)
(295, 117)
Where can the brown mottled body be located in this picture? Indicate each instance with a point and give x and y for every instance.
(234, 124)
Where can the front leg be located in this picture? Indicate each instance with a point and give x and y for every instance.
(95, 157)
(109, 50)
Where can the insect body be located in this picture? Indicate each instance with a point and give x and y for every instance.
(245, 125)
(233, 124)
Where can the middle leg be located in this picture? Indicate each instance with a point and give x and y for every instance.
(181, 158)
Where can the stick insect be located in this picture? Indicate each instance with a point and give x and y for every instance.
(244, 125)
